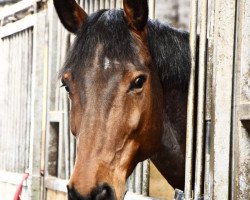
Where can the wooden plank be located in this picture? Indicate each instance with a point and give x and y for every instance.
(133, 196)
(223, 57)
(12, 178)
(18, 26)
(57, 184)
(55, 116)
(37, 104)
(17, 7)
(55, 195)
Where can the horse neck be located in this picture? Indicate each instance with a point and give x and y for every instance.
(174, 120)
(171, 55)
(169, 49)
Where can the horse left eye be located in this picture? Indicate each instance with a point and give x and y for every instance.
(138, 82)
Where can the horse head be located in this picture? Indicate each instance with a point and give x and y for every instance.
(115, 93)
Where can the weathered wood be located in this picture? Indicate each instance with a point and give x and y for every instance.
(37, 105)
(57, 184)
(133, 196)
(55, 195)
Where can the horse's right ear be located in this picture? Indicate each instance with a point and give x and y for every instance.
(70, 14)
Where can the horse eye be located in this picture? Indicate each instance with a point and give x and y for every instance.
(138, 82)
(65, 86)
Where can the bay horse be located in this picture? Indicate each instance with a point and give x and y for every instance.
(127, 79)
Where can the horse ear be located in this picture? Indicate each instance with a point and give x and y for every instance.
(136, 13)
(70, 14)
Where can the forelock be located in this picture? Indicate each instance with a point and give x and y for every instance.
(106, 28)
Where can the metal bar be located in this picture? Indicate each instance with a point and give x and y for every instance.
(199, 169)
(190, 105)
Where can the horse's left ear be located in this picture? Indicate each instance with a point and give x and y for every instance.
(136, 13)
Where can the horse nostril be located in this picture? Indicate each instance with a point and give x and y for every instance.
(103, 192)
(74, 195)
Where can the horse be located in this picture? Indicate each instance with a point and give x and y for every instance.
(127, 79)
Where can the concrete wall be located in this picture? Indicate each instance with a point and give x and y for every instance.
(175, 13)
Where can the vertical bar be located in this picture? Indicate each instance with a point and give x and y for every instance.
(118, 4)
(107, 4)
(208, 175)
(97, 5)
(145, 178)
(25, 99)
(190, 105)
(13, 117)
(207, 161)
(198, 190)
(240, 182)
(223, 58)
(44, 107)
(131, 182)
(21, 106)
(81, 3)
(138, 178)
(65, 122)
(102, 4)
(30, 56)
(91, 6)
(1, 100)
(88, 6)
(152, 9)
(36, 108)
(112, 4)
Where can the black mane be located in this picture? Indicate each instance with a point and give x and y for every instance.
(169, 47)
(170, 53)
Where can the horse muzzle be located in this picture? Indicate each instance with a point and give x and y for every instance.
(101, 192)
